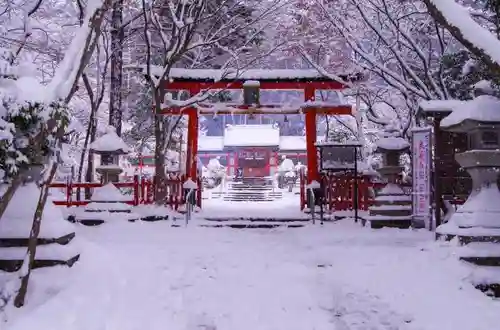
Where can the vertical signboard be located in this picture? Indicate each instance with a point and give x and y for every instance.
(421, 178)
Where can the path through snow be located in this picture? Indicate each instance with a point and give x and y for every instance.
(150, 276)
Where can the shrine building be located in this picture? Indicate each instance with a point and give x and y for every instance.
(256, 149)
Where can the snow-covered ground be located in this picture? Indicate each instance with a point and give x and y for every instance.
(340, 276)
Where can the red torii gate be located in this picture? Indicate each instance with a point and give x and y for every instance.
(309, 81)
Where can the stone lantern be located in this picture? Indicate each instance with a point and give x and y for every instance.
(251, 92)
(477, 221)
(109, 146)
(392, 208)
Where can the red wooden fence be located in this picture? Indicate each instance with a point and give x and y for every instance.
(339, 191)
(141, 191)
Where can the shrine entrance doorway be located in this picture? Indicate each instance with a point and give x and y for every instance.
(308, 82)
(254, 162)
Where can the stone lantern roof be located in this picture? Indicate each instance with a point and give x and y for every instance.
(392, 143)
(110, 144)
(483, 109)
(391, 140)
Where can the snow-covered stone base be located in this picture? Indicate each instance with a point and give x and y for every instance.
(55, 243)
(392, 209)
(476, 228)
(98, 218)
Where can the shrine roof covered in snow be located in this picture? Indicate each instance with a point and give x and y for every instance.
(251, 135)
(431, 107)
(238, 77)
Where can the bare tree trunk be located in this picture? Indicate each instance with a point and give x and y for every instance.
(35, 231)
(7, 196)
(115, 96)
(89, 175)
(160, 177)
(84, 151)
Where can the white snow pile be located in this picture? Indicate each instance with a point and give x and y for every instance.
(286, 165)
(108, 197)
(109, 142)
(483, 108)
(214, 165)
(190, 184)
(18, 218)
(214, 169)
(108, 193)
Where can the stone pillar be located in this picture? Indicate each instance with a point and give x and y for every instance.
(109, 146)
(109, 169)
(392, 207)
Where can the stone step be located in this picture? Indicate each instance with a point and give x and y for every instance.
(57, 252)
(23, 242)
(235, 198)
(253, 223)
(15, 265)
(393, 222)
(250, 188)
(251, 226)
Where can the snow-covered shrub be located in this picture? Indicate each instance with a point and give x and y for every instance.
(214, 172)
(29, 130)
(29, 123)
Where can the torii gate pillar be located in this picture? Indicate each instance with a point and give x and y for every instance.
(192, 140)
(310, 125)
(192, 145)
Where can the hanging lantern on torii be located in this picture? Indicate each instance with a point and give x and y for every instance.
(251, 95)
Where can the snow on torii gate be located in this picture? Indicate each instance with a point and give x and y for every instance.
(309, 81)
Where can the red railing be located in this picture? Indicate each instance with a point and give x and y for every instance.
(141, 191)
(339, 191)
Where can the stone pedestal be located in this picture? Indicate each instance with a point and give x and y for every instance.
(106, 201)
(109, 173)
(477, 222)
(392, 206)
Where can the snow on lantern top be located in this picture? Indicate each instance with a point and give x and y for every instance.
(109, 143)
(392, 143)
(251, 93)
(251, 83)
(107, 193)
(190, 184)
(483, 109)
(391, 140)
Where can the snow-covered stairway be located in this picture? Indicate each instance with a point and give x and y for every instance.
(55, 244)
(252, 189)
(251, 223)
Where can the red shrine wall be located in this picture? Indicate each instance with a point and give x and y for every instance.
(254, 162)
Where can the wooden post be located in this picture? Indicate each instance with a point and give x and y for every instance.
(438, 203)
(310, 124)
(69, 193)
(136, 190)
(191, 166)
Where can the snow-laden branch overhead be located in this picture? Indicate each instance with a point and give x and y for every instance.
(465, 29)
(66, 77)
